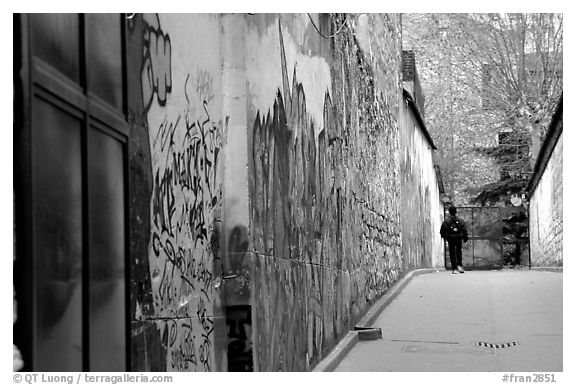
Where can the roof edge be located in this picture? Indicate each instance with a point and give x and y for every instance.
(547, 147)
(416, 112)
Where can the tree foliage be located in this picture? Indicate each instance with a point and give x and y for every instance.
(491, 82)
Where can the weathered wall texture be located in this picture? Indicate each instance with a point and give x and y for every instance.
(265, 187)
(546, 222)
(177, 308)
(324, 188)
(421, 207)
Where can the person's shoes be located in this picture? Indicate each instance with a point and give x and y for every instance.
(454, 271)
(460, 270)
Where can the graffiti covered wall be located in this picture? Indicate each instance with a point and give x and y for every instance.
(324, 192)
(265, 186)
(176, 304)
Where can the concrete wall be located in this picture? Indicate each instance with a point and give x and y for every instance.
(546, 223)
(421, 207)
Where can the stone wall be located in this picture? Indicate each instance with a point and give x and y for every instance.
(546, 222)
(265, 186)
(324, 188)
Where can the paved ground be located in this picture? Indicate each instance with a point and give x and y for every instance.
(437, 321)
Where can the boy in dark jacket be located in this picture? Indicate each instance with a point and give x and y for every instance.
(454, 231)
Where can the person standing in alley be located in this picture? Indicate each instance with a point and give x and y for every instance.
(454, 231)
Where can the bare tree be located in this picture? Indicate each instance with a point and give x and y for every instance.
(492, 82)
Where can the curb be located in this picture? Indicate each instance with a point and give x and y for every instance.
(375, 310)
(332, 360)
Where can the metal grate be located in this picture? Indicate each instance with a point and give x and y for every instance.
(497, 345)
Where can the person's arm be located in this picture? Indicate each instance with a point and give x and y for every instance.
(464, 231)
(443, 230)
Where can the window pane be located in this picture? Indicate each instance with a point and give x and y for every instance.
(55, 39)
(104, 56)
(107, 237)
(57, 229)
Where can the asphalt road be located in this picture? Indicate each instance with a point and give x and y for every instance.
(480, 321)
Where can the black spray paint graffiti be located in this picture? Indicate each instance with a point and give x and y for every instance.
(186, 197)
(156, 62)
(189, 345)
(185, 203)
(206, 335)
(183, 349)
(155, 78)
(191, 166)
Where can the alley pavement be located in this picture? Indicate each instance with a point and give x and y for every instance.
(479, 321)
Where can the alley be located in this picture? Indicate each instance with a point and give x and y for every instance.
(440, 321)
(236, 192)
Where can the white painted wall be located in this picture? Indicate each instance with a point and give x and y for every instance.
(546, 214)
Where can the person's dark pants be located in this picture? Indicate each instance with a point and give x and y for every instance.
(455, 249)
